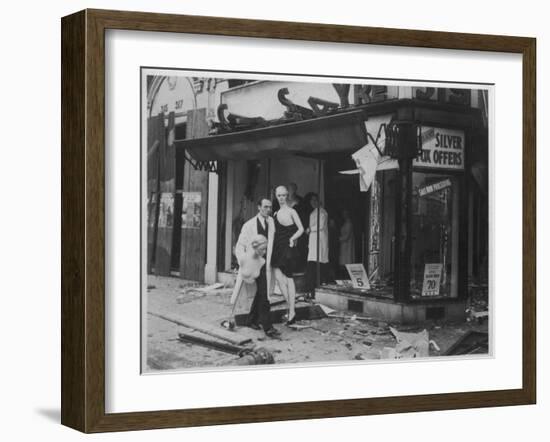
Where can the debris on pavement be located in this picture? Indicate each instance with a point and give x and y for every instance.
(299, 326)
(478, 302)
(349, 317)
(326, 309)
(210, 288)
(478, 316)
(228, 324)
(321, 334)
(257, 356)
(472, 342)
(411, 345)
(434, 345)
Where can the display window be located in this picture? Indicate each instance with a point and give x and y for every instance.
(434, 235)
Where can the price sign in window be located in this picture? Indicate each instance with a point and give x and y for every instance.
(358, 275)
(432, 279)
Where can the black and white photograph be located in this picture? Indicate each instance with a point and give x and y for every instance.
(296, 220)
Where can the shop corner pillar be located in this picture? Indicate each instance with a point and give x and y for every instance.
(210, 269)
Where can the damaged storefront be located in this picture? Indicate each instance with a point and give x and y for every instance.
(400, 171)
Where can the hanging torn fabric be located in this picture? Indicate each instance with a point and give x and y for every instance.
(366, 160)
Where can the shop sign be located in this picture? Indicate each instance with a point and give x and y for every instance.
(436, 187)
(358, 276)
(432, 279)
(441, 149)
(191, 210)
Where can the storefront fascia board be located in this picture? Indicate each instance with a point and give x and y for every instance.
(446, 119)
(322, 135)
(427, 112)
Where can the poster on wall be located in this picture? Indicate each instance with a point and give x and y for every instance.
(166, 212)
(191, 210)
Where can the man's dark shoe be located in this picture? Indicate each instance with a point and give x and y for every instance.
(254, 326)
(273, 333)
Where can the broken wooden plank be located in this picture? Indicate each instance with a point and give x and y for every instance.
(217, 332)
(216, 344)
(349, 317)
(299, 326)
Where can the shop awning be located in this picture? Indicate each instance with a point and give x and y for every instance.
(334, 133)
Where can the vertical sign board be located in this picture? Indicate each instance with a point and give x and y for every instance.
(374, 228)
(358, 276)
(155, 139)
(432, 279)
(195, 191)
(167, 193)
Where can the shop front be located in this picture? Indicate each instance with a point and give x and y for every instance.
(176, 193)
(409, 219)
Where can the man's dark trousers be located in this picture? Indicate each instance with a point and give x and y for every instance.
(259, 311)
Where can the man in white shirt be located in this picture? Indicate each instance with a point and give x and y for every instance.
(318, 244)
(261, 224)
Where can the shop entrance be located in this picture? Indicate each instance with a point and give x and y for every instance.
(346, 205)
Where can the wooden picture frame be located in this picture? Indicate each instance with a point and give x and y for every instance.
(83, 220)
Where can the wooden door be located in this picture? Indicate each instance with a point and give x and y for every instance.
(155, 139)
(194, 205)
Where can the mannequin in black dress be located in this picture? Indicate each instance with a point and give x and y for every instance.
(288, 228)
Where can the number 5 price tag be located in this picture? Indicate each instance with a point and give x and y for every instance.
(358, 276)
(432, 279)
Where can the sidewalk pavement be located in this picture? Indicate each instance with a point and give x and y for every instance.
(347, 337)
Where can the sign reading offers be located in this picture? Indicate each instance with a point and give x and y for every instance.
(432, 279)
(441, 149)
(358, 276)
